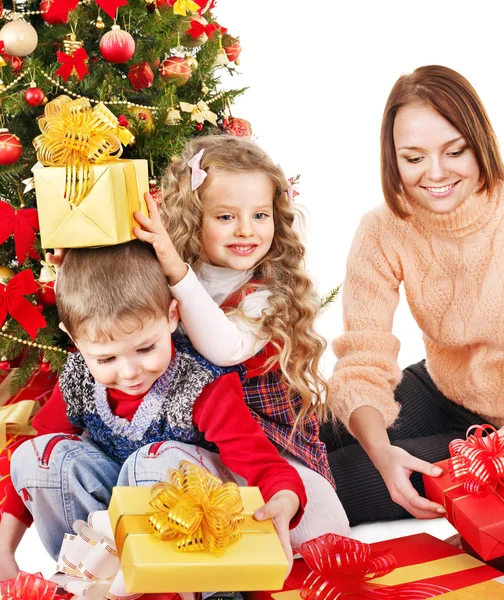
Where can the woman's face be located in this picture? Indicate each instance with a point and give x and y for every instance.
(437, 168)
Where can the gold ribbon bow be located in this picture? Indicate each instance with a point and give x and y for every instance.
(182, 7)
(74, 135)
(15, 419)
(197, 510)
(199, 112)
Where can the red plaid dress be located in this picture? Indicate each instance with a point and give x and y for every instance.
(266, 395)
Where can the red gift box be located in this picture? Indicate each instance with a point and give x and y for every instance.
(141, 76)
(479, 520)
(420, 558)
(39, 387)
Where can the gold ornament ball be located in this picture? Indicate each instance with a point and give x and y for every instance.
(174, 158)
(191, 61)
(5, 274)
(19, 37)
(99, 23)
(204, 90)
(237, 62)
(3, 87)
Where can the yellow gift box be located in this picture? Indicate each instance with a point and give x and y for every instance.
(256, 561)
(104, 217)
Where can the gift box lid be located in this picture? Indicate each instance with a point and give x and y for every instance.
(256, 561)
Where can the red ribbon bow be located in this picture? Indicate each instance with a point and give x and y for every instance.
(61, 8)
(22, 223)
(198, 29)
(28, 587)
(19, 308)
(71, 62)
(343, 567)
(478, 461)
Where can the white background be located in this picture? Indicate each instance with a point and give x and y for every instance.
(319, 74)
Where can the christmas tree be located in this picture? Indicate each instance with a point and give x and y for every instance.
(155, 64)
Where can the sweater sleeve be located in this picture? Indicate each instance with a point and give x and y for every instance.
(204, 322)
(222, 415)
(51, 418)
(367, 372)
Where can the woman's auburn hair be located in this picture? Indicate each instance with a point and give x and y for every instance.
(454, 98)
(290, 323)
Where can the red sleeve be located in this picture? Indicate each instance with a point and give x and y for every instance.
(52, 417)
(222, 415)
(15, 506)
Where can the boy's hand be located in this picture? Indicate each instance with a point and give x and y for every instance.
(281, 508)
(154, 233)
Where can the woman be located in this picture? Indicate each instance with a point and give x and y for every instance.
(441, 233)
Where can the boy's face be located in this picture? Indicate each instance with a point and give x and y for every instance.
(132, 362)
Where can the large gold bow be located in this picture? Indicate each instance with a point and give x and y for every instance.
(74, 135)
(197, 510)
(15, 420)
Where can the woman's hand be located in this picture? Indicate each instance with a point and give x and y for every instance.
(281, 508)
(153, 232)
(396, 466)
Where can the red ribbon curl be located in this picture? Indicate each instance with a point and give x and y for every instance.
(19, 308)
(343, 567)
(478, 461)
(22, 223)
(28, 587)
(71, 62)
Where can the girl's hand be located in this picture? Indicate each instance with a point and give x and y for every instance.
(396, 466)
(154, 233)
(281, 508)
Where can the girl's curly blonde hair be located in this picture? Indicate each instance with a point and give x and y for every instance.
(290, 325)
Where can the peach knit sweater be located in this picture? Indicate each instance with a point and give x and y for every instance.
(452, 267)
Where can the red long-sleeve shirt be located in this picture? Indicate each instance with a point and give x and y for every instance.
(220, 413)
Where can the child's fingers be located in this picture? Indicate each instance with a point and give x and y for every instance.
(145, 236)
(144, 220)
(152, 207)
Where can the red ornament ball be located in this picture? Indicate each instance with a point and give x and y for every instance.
(45, 367)
(50, 15)
(117, 46)
(175, 69)
(46, 294)
(4, 365)
(40, 308)
(10, 147)
(199, 126)
(237, 127)
(34, 96)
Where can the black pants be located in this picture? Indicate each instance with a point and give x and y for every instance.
(427, 423)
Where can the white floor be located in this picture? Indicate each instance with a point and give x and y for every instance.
(32, 557)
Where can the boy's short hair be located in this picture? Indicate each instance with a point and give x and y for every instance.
(101, 291)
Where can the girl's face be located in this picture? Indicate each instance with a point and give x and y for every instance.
(238, 226)
(437, 168)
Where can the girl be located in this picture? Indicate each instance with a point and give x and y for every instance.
(440, 233)
(235, 264)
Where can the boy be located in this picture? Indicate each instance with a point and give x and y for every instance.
(140, 403)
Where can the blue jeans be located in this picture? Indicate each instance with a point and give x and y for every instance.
(63, 478)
